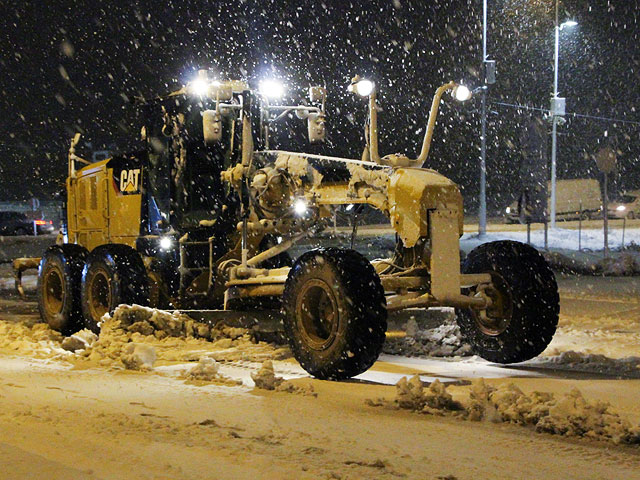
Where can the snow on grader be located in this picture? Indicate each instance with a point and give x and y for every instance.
(203, 218)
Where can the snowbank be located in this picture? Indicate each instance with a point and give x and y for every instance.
(589, 362)
(569, 415)
(159, 323)
(558, 238)
(444, 340)
(38, 341)
(136, 337)
(175, 337)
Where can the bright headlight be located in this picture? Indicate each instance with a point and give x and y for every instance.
(508, 210)
(199, 87)
(300, 207)
(166, 243)
(621, 208)
(271, 89)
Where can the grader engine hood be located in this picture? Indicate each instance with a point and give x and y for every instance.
(412, 193)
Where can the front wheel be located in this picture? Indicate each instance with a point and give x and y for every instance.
(335, 313)
(523, 315)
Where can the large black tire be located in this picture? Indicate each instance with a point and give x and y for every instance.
(58, 290)
(113, 274)
(158, 289)
(525, 316)
(335, 313)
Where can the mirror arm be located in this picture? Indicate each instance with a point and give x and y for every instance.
(433, 115)
(373, 129)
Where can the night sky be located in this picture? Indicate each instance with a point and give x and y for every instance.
(75, 66)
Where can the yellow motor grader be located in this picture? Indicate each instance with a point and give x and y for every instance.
(204, 218)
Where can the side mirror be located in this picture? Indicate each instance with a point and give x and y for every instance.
(316, 127)
(211, 127)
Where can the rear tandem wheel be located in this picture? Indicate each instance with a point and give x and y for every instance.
(58, 288)
(113, 274)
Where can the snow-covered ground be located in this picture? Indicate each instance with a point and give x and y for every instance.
(188, 407)
(560, 238)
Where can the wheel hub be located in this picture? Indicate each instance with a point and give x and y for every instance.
(496, 317)
(99, 295)
(54, 288)
(317, 314)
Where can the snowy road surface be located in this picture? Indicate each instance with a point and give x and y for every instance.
(61, 419)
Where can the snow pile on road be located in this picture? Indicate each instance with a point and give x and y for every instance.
(445, 340)
(569, 415)
(175, 337)
(589, 362)
(138, 356)
(159, 323)
(411, 395)
(623, 265)
(79, 340)
(619, 264)
(265, 379)
(135, 338)
(208, 370)
(38, 340)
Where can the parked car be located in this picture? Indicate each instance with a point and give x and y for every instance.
(575, 198)
(627, 206)
(18, 223)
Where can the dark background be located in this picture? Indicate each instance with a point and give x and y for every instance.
(72, 66)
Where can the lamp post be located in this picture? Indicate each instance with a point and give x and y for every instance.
(482, 214)
(488, 78)
(557, 110)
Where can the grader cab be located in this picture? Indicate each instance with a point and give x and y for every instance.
(205, 217)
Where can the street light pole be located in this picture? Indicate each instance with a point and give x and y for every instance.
(554, 128)
(557, 110)
(482, 214)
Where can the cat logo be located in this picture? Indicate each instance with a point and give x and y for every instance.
(130, 180)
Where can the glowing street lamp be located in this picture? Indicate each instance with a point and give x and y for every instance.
(462, 93)
(557, 110)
